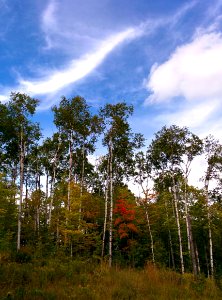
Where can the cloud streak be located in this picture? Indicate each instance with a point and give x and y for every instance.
(77, 68)
(57, 33)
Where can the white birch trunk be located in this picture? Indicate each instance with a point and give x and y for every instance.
(111, 203)
(170, 237)
(81, 185)
(106, 210)
(190, 241)
(21, 163)
(52, 192)
(209, 227)
(70, 173)
(150, 233)
(178, 226)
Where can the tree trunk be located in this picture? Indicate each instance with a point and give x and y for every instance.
(52, 192)
(21, 163)
(70, 173)
(46, 195)
(81, 185)
(178, 225)
(190, 233)
(207, 262)
(106, 210)
(170, 237)
(150, 233)
(55, 159)
(209, 227)
(197, 258)
(111, 202)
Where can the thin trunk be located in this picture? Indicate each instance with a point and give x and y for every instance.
(111, 203)
(192, 248)
(150, 233)
(53, 182)
(106, 210)
(190, 241)
(210, 243)
(47, 185)
(37, 188)
(52, 192)
(46, 195)
(82, 184)
(209, 228)
(57, 232)
(171, 249)
(170, 237)
(38, 204)
(145, 192)
(26, 197)
(83, 170)
(187, 221)
(197, 258)
(21, 163)
(207, 262)
(70, 172)
(178, 225)
(14, 176)
(26, 191)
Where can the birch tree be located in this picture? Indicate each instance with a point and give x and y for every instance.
(143, 176)
(21, 107)
(166, 152)
(213, 154)
(120, 143)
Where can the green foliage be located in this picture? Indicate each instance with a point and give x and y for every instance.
(67, 218)
(8, 215)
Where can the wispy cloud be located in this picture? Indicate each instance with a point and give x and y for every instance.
(77, 68)
(49, 22)
(82, 64)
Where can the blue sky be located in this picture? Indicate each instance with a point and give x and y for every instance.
(162, 56)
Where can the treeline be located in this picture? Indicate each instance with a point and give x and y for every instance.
(54, 202)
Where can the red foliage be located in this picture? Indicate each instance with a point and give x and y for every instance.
(125, 216)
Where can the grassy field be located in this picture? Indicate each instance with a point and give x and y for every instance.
(85, 281)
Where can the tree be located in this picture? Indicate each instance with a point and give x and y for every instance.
(80, 127)
(25, 132)
(120, 143)
(173, 151)
(53, 151)
(75, 121)
(143, 174)
(213, 153)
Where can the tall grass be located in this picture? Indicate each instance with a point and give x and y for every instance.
(87, 281)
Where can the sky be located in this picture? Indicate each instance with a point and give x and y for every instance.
(162, 56)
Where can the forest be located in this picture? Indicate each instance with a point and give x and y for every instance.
(56, 205)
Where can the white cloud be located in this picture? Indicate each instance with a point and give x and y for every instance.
(77, 68)
(191, 116)
(194, 71)
(48, 16)
(3, 98)
(49, 22)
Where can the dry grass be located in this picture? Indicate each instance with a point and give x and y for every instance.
(85, 281)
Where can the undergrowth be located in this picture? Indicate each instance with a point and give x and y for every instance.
(84, 280)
